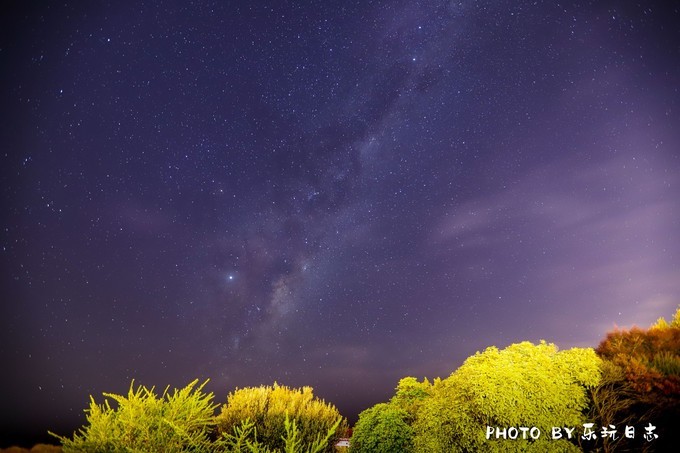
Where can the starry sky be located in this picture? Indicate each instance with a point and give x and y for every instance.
(334, 194)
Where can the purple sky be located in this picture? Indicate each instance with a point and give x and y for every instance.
(334, 194)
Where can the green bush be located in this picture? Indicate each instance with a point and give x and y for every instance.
(382, 429)
(143, 422)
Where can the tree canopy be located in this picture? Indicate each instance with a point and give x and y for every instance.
(383, 428)
(523, 385)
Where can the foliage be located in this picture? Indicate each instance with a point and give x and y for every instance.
(650, 358)
(675, 322)
(611, 403)
(667, 363)
(524, 385)
(183, 421)
(382, 429)
(386, 427)
(633, 380)
(178, 421)
(646, 363)
(293, 443)
(660, 323)
(269, 406)
(410, 395)
(244, 439)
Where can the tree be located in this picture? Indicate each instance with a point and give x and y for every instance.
(267, 407)
(177, 421)
(382, 429)
(410, 395)
(524, 385)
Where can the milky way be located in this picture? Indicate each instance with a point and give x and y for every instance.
(334, 194)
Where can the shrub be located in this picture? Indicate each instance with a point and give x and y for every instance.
(177, 421)
(268, 407)
(244, 440)
(642, 382)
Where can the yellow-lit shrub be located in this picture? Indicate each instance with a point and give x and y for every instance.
(142, 421)
(267, 408)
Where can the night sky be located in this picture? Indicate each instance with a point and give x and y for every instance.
(326, 193)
